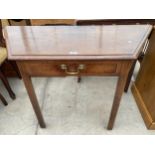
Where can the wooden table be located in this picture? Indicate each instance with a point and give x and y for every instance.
(75, 51)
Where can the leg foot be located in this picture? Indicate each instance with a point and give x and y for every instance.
(3, 100)
(79, 79)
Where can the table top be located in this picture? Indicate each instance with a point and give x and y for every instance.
(75, 42)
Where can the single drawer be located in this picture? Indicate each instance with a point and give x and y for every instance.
(71, 68)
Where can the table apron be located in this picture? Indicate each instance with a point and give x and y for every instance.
(48, 68)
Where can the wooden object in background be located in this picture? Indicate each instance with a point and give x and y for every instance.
(114, 21)
(3, 57)
(143, 88)
(18, 22)
(72, 50)
(37, 22)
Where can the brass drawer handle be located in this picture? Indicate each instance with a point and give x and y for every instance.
(80, 67)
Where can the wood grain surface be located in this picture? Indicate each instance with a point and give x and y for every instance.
(75, 42)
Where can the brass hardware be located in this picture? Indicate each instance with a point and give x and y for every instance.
(80, 67)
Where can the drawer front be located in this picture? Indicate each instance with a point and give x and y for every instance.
(71, 68)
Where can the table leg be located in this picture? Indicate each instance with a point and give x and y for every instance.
(129, 77)
(7, 85)
(118, 93)
(30, 90)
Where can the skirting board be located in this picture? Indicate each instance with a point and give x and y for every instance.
(149, 122)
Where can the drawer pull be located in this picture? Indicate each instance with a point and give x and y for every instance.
(65, 67)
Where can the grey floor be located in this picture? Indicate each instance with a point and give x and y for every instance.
(70, 108)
